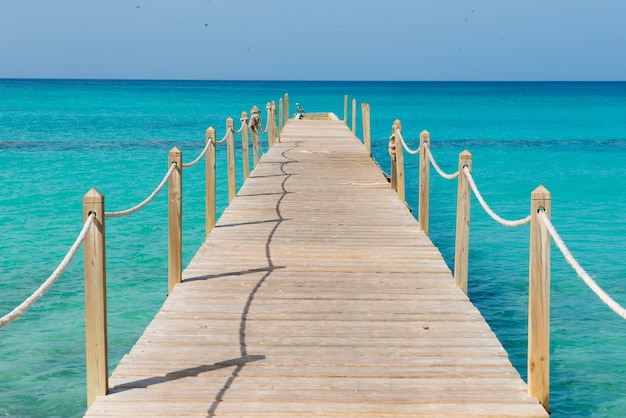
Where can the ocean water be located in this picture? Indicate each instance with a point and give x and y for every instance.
(59, 138)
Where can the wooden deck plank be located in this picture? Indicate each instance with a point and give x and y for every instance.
(317, 295)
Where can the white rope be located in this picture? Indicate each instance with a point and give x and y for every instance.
(405, 146)
(30, 301)
(238, 131)
(149, 199)
(197, 160)
(486, 207)
(255, 123)
(263, 130)
(604, 297)
(267, 126)
(225, 136)
(391, 148)
(255, 128)
(439, 170)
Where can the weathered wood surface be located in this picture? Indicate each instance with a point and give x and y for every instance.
(317, 295)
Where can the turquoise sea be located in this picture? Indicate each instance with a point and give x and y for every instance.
(59, 138)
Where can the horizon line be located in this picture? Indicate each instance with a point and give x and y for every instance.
(308, 80)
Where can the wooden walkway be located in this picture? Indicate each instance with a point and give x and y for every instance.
(317, 295)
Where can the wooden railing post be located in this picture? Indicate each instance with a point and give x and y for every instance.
(461, 246)
(230, 151)
(276, 137)
(255, 121)
(210, 182)
(270, 135)
(245, 146)
(393, 146)
(281, 114)
(286, 108)
(397, 128)
(345, 109)
(424, 190)
(539, 299)
(95, 299)
(175, 220)
(354, 116)
(365, 119)
(271, 124)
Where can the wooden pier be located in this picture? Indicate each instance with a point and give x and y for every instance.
(317, 295)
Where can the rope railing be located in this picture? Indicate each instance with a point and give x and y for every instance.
(586, 278)
(240, 130)
(443, 174)
(541, 231)
(256, 126)
(262, 149)
(202, 154)
(95, 263)
(486, 207)
(538, 353)
(397, 176)
(228, 130)
(264, 130)
(272, 130)
(30, 301)
(405, 146)
(97, 361)
(35, 296)
(150, 198)
(261, 131)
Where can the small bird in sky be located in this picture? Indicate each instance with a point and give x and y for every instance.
(299, 108)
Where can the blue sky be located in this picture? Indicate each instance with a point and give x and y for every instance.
(314, 40)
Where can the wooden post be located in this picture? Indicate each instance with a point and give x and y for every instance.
(397, 129)
(354, 116)
(175, 220)
(365, 119)
(392, 154)
(276, 136)
(95, 299)
(245, 146)
(345, 109)
(230, 151)
(210, 182)
(270, 136)
(539, 300)
(286, 108)
(424, 181)
(255, 121)
(461, 246)
(281, 114)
